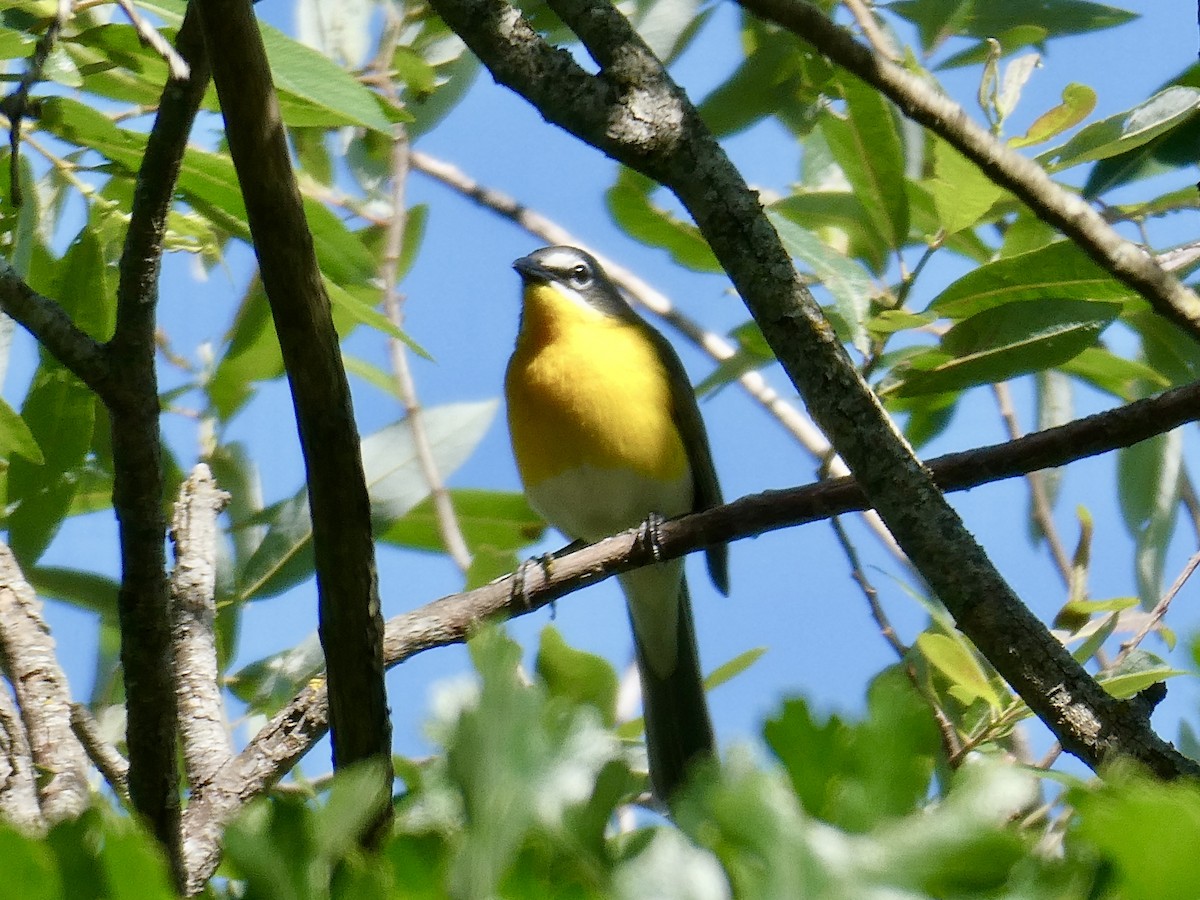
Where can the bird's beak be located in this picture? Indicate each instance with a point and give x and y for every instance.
(531, 272)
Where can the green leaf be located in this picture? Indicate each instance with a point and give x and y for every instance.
(1126, 131)
(1057, 271)
(1167, 152)
(16, 438)
(1121, 377)
(1138, 671)
(777, 77)
(1148, 486)
(1094, 641)
(60, 413)
(845, 279)
(731, 669)
(629, 204)
(954, 658)
(395, 482)
(30, 872)
(1078, 101)
(87, 590)
(839, 219)
(500, 520)
(1127, 819)
(1005, 341)
(940, 19)
(859, 775)
(961, 193)
(579, 677)
(268, 683)
(314, 90)
(751, 822)
(866, 145)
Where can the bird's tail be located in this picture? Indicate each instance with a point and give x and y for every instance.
(678, 729)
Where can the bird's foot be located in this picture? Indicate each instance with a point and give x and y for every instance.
(648, 536)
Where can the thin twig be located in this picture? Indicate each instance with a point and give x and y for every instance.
(447, 520)
(149, 35)
(875, 35)
(1042, 514)
(104, 756)
(16, 105)
(1160, 610)
(946, 729)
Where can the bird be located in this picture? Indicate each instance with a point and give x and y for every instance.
(607, 436)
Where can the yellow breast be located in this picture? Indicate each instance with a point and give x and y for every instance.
(586, 390)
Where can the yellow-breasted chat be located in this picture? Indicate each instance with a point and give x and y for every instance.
(607, 434)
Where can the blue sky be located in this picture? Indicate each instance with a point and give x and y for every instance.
(792, 592)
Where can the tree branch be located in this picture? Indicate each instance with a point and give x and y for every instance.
(42, 694)
(633, 112)
(351, 625)
(194, 533)
(1028, 181)
(18, 777)
(138, 479)
(54, 330)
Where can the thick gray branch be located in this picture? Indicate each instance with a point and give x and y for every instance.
(18, 778)
(194, 532)
(40, 686)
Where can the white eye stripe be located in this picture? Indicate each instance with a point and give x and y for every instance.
(577, 298)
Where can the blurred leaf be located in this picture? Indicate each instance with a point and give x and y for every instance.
(1127, 130)
(268, 683)
(1129, 819)
(60, 413)
(668, 26)
(752, 353)
(1002, 342)
(845, 279)
(87, 590)
(339, 29)
(583, 678)
(1148, 485)
(866, 144)
(1078, 101)
(1117, 375)
(394, 480)
(859, 775)
(939, 19)
(30, 872)
(777, 77)
(731, 669)
(436, 69)
(956, 660)
(500, 520)
(1010, 41)
(15, 437)
(629, 203)
(1059, 271)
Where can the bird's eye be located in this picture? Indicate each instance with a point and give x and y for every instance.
(580, 275)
